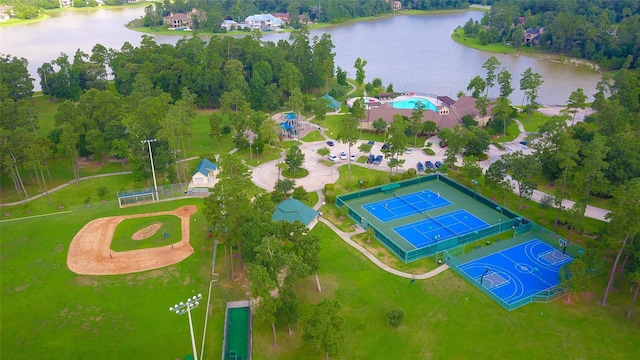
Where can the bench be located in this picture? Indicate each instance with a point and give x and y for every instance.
(389, 188)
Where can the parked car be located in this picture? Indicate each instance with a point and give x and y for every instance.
(438, 164)
(377, 160)
(370, 142)
(430, 165)
(332, 157)
(330, 143)
(408, 151)
(343, 155)
(353, 157)
(370, 159)
(420, 166)
(385, 146)
(523, 142)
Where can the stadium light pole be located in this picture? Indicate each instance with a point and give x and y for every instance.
(186, 307)
(153, 169)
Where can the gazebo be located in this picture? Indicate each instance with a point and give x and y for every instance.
(293, 210)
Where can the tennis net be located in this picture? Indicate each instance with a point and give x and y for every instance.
(441, 224)
(407, 202)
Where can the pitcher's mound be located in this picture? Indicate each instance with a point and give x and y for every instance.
(90, 253)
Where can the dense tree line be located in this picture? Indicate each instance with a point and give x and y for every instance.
(157, 89)
(602, 31)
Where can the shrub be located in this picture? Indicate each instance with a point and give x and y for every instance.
(498, 145)
(329, 186)
(546, 202)
(444, 168)
(102, 192)
(428, 151)
(429, 144)
(395, 317)
(411, 172)
(330, 197)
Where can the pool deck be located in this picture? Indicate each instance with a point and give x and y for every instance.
(429, 97)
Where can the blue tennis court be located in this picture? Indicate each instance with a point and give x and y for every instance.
(518, 272)
(439, 228)
(405, 205)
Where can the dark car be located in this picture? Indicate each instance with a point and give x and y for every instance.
(523, 142)
(385, 146)
(429, 165)
(438, 164)
(330, 143)
(377, 160)
(370, 158)
(370, 142)
(420, 166)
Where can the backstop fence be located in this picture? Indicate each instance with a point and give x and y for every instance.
(146, 195)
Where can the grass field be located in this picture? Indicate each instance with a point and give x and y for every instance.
(49, 312)
(447, 318)
(113, 317)
(170, 225)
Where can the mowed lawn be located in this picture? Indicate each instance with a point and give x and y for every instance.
(49, 312)
(447, 318)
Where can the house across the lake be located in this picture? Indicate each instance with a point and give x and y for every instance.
(263, 22)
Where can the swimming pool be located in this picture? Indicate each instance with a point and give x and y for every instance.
(410, 103)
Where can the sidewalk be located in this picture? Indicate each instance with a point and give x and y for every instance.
(347, 238)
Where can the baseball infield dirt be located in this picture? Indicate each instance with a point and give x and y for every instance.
(90, 253)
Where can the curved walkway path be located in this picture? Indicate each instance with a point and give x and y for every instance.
(63, 186)
(347, 238)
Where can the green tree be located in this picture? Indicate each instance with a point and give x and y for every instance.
(623, 224)
(523, 169)
(227, 208)
(530, 83)
(496, 178)
(380, 125)
(577, 100)
(574, 277)
(294, 158)
(504, 80)
(285, 185)
(470, 169)
(215, 122)
(348, 134)
(477, 86)
(359, 66)
(397, 140)
(416, 120)
(456, 138)
(324, 328)
(300, 193)
(262, 285)
(491, 65)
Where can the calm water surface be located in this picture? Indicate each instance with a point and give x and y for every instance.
(415, 53)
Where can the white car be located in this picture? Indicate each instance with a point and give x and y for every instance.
(343, 155)
(332, 157)
(353, 157)
(409, 150)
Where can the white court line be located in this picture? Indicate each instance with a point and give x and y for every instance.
(35, 216)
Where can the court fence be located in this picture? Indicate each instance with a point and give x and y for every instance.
(512, 222)
(575, 251)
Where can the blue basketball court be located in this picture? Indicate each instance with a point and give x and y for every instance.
(518, 272)
(406, 205)
(439, 228)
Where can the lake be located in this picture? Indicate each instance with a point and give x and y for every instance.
(415, 53)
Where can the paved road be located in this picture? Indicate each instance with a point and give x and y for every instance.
(265, 175)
